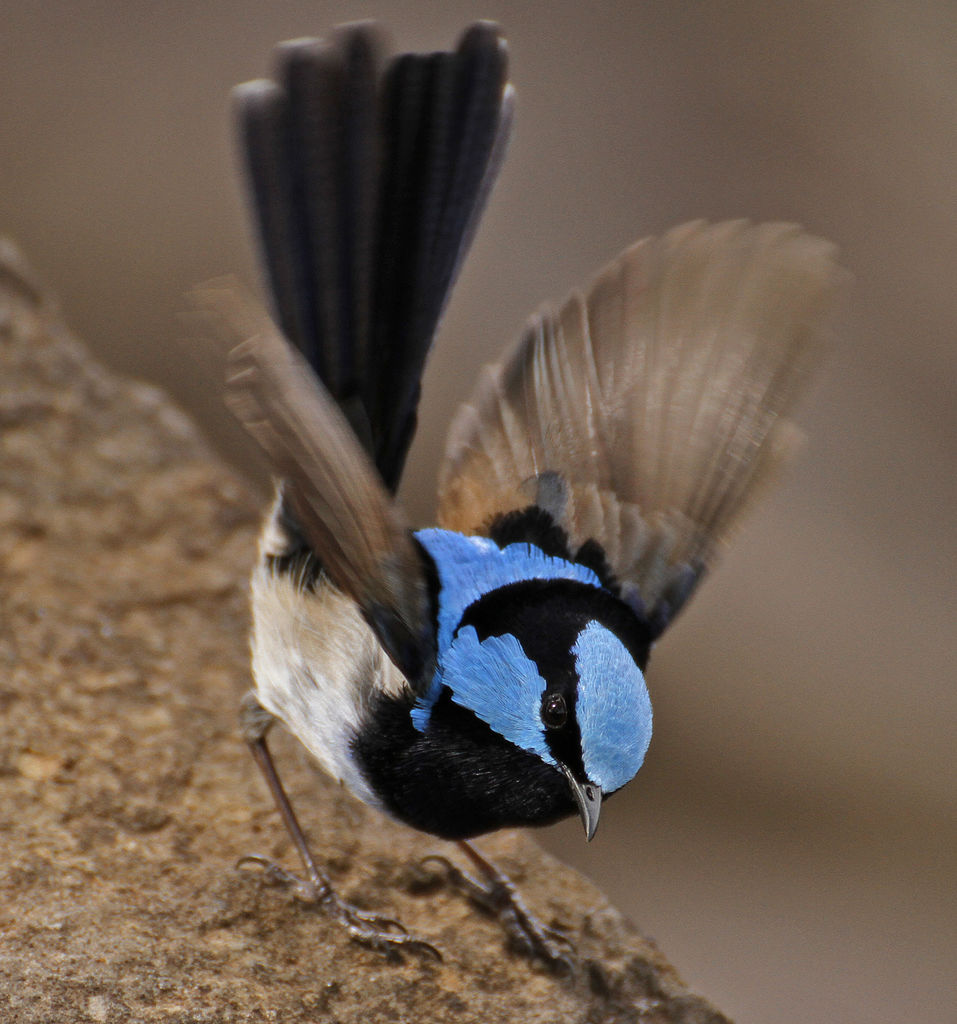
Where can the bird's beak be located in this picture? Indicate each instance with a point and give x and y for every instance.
(588, 797)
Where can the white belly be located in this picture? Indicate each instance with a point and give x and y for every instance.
(317, 666)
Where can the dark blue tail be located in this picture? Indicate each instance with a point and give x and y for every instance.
(368, 177)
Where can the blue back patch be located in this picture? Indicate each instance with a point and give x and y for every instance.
(471, 567)
(613, 708)
(468, 569)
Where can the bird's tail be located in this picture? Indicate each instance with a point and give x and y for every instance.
(367, 177)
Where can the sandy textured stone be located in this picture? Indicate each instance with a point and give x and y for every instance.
(126, 794)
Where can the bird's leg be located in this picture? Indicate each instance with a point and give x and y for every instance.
(495, 892)
(381, 933)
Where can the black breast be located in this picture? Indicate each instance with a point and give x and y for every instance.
(459, 778)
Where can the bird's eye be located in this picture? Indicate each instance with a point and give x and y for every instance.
(554, 710)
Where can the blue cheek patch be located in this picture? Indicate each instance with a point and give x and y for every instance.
(495, 680)
(613, 708)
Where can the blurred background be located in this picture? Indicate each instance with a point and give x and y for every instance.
(792, 840)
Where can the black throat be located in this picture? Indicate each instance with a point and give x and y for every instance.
(459, 778)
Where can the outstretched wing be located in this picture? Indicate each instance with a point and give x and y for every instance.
(647, 412)
(336, 497)
(367, 178)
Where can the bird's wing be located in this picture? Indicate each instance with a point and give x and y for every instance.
(338, 501)
(646, 413)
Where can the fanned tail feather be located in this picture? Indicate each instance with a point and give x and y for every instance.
(367, 179)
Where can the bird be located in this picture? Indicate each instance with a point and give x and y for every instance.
(487, 672)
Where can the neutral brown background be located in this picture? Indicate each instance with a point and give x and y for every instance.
(791, 841)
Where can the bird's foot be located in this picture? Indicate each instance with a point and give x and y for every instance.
(383, 934)
(496, 894)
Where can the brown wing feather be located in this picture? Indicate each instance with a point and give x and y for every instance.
(654, 401)
(340, 505)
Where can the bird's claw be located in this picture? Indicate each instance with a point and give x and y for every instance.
(498, 896)
(306, 889)
(383, 934)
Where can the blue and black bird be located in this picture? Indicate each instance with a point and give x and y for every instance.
(488, 672)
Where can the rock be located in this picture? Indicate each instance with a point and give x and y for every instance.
(127, 795)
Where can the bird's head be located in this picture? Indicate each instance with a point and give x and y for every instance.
(553, 667)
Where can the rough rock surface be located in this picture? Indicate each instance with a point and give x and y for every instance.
(126, 794)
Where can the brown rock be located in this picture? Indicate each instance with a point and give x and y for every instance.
(126, 794)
